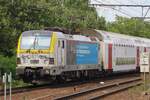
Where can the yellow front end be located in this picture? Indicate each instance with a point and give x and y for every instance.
(36, 54)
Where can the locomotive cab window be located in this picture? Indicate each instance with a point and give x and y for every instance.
(36, 40)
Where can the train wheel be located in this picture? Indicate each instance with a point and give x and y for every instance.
(53, 78)
(61, 79)
(78, 74)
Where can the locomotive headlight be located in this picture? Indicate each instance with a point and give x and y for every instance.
(18, 61)
(51, 60)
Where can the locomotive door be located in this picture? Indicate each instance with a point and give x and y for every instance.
(60, 52)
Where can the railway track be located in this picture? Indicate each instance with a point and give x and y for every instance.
(21, 89)
(44, 86)
(101, 90)
(59, 87)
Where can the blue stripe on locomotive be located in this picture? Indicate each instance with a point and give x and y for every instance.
(87, 53)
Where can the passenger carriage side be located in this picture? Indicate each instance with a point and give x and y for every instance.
(120, 53)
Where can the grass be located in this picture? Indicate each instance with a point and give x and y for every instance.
(138, 91)
(15, 84)
(140, 88)
(19, 83)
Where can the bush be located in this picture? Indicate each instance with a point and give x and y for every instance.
(7, 64)
(19, 83)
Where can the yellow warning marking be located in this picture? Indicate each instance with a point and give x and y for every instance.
(53, 42)
(34, 51)
(19, 42)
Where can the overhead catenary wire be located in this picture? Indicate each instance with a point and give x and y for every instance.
(115, 9)
(144, 17)
(120, 5)
(122, 12)
(112, 6)
(146, 12)
(123, 4)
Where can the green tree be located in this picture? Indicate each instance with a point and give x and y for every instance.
(17, 16)
(129, 26)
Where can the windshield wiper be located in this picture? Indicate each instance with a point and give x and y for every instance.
(33, 44)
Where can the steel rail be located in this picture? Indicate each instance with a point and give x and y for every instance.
(20, 89)
(95, 89)
(43, 86)
(117, 89)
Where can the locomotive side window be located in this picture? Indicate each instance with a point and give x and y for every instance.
(58, 43)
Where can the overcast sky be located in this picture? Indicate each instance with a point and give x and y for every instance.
(110, 12)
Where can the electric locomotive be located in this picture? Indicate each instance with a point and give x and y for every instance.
(54, 54)
(44, 55)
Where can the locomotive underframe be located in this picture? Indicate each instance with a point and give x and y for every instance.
(32, 74)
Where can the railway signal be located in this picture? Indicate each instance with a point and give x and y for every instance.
(7, 78)
(145, 66)
(5, 85)
(144, 62)
(10, 80)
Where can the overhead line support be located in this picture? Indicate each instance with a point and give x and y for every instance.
(119, 5)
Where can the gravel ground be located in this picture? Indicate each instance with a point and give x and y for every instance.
(127, 95)
(124, 95)
(135, 93)
(55, 91)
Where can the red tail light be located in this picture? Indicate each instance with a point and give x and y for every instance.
(51, 60)
(18, 61)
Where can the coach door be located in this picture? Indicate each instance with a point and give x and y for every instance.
(60, 52)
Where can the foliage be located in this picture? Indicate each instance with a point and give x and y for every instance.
(17, 16)
(19, 83)
(7, 64)
(131, 26)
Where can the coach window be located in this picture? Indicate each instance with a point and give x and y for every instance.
(63, 44)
